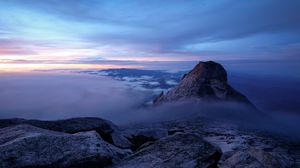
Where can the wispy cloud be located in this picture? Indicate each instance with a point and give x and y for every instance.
(267, 29)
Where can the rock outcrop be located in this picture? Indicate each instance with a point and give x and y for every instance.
(29, 146)
(139, 137)
(184, 143)
(252, 158)
(206, 82)
(108, 131)
(179, 150)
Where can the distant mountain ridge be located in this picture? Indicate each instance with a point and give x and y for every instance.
(141, 79)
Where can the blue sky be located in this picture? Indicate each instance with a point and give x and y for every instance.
(156, 30)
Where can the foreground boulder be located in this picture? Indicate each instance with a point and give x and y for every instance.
(179, 150)
(108, 131)
(251, 158)
(29, 146)
(206, 82)
(138, 137)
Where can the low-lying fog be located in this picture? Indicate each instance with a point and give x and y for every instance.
(57, 96)
(50, 96)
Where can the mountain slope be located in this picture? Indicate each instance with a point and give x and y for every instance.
(207, 81)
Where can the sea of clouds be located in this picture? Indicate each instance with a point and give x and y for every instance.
(52, 96)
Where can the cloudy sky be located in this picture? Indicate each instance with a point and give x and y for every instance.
(143, 30)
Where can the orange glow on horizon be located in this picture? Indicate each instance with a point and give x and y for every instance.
(14, 67)
(158, 58)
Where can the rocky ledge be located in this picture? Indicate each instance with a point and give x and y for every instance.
(108, 131)
(29, 146)
(194, 143)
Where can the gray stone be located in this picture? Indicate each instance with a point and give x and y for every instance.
(138, 137)
(251, 158)
(155, 133)
(29, 146)
(108, 131)
(179, 150)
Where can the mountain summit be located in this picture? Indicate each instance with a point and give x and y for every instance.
(207, 81)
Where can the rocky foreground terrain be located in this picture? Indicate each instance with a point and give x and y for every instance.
(194, 142)
(94, 142)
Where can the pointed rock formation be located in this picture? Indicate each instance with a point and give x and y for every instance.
(207, 82)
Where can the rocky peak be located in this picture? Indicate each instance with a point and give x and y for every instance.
(207, 81)
(207, 70)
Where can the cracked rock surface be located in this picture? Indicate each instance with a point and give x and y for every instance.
(198, 142)
(29, 146)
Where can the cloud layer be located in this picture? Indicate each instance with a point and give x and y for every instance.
(59, 96)
(164, 30)
(53, 96)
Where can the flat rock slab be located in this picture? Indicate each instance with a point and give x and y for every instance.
(179, 150)
(108, 131)
(29, 146)
(251, 158)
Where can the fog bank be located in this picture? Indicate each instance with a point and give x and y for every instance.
(59, 96)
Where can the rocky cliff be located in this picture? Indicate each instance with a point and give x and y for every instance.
(207, 81)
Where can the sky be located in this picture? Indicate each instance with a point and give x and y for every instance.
(60, 31)
(249, 38)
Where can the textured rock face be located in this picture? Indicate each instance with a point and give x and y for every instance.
(29, 146)
(207, 82)
(179, 150)
(163, 144)
(252, 158)
(108, 131)
(139, 137)
(155, 133)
